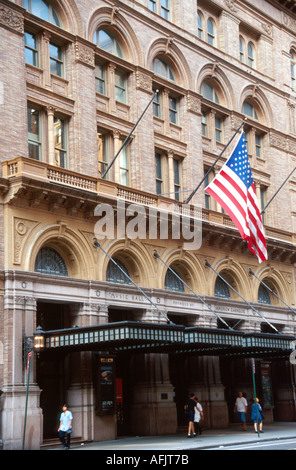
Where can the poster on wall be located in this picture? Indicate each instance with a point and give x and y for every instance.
(105, 385)
(266, 385)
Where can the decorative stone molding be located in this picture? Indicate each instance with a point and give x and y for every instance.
(143, 81)
(11, 19)
(231, 5)
(22, 229)
(193, 104)
(84, 54)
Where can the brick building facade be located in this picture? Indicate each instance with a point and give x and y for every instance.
(75, 77)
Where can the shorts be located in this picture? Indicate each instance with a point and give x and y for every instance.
(242, 416)
(191, 416)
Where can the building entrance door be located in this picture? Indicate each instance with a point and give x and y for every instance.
(51, 368)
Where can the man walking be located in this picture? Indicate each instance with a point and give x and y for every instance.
(240, 408)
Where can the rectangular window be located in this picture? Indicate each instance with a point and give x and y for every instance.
(177, 185)
(207, 196)
(157, 105)
(258, 145)
(100, 79)
(103, 152)
(56, 60)
(34, 135)
(31, 52)
(120, 87)
(218, 129)
(124, 166)
(204, 124)
(152, 5)
(165, 9)
(173, 110)
(159, 180)
(60, 142)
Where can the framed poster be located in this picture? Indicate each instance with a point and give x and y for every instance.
(267, 398)
(105, 385)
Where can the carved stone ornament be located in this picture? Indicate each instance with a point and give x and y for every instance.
(143, 81)
(22, 229)
(11, 19)
(193, 104)
(84, 54)
(231, 5)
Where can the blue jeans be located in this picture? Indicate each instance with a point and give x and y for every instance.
(65, 438)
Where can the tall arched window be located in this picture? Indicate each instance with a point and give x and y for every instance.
(43, 10)
(221, 289)
(173, 283)
(49, 261)
(105, 40)
(263, 295)
(114, 274)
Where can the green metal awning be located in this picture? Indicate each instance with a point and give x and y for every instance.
(148, 338)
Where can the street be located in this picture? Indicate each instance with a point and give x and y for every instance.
(286, 444)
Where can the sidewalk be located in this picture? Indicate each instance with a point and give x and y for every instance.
(209, 439)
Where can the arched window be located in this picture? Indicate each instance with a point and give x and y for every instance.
(221, 289)
(173, 283)
(293, 68)
(162, 68)
(209, 92)
(105, 40)
(49, 261)
(114, 274)
(210, 32)
(263, 295)
(250, 110)
(251, 56)
(199, 25)
(43, 10)
(241, 50)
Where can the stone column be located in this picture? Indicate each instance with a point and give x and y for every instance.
(19, 321)
(153, 411)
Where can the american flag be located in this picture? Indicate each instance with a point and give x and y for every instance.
(234, 189)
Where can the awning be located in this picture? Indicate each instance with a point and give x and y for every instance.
(143, 337)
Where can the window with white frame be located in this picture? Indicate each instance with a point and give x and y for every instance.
(103, 139)
(212, 118)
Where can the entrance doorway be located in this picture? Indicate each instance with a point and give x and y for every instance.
(51, 368)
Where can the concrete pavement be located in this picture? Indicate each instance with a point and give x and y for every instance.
(210, 438)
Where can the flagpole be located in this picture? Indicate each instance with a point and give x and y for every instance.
(196, 295)
(263, 210)
(128, 137)
(265, 285)
(219, 156)
(248, 303)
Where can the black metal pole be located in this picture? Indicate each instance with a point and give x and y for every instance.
(96, 243)
(263, 210)
(251, 306)
(196, 295)
(219, 156)
(129, 135)
(267, 287)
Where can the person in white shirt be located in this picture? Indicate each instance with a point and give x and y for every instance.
(65, 427)
(240, 408)
(198, 416)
